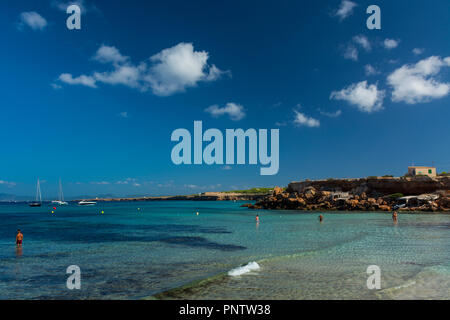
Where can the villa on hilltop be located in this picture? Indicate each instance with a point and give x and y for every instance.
(422, 171)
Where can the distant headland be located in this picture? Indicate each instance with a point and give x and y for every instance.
(254, 194)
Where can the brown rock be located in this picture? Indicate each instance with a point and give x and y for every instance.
(444, 202)
(277, 191)
(309, 192)
(325, 193)
(351, 204)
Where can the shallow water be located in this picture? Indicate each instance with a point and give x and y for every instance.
(127, 253)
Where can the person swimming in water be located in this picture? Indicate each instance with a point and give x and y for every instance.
(394, 216)
(19, 238)
(321, 218)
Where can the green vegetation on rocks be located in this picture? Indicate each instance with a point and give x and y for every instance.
(395, 195)
(252, 191)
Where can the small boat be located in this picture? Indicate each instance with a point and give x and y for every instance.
(61, 203)
(60, 200)
(86, 203)
(34, 204)
(38, 201)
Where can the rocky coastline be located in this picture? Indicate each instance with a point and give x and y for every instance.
(408, 194)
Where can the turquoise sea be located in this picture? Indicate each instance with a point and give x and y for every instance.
(163, 249)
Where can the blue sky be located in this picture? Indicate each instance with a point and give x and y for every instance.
(97, 106)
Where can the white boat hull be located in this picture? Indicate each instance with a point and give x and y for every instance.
(87, 203)
(61, 203)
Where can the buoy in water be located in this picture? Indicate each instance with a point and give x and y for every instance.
(103, 212)
(197, 213)
(53, 211)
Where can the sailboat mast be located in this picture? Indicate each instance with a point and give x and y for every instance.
(38, 192)
(61, 194)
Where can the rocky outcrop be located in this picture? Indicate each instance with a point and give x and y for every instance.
(377, 186)
(359, 197)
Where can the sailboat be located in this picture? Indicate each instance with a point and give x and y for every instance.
(38, 201)
(60, 200)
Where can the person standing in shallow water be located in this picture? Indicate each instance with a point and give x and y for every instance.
(394, 216)
(19, 238)
(321, 217)
(257, 219)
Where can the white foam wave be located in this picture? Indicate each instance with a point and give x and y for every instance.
(251, 266)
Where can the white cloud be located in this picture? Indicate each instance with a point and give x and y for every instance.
(351, 53)
(55, 86)
(215, 73)
(107, 54)
(345, 9)
(7, 183)
(127, 181)
(370, 70)
(168, 184)
(33, 20)
(123, 114)
(350, 50)
(127, 75)
(363, 42)
(179, 67)
(390, 43)
(418, 51)
(335, 114)
(416, 83)
(82, 80)
(367, 98)
(170, 71)
(303, 120)
(235, 111)
(100, 182)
